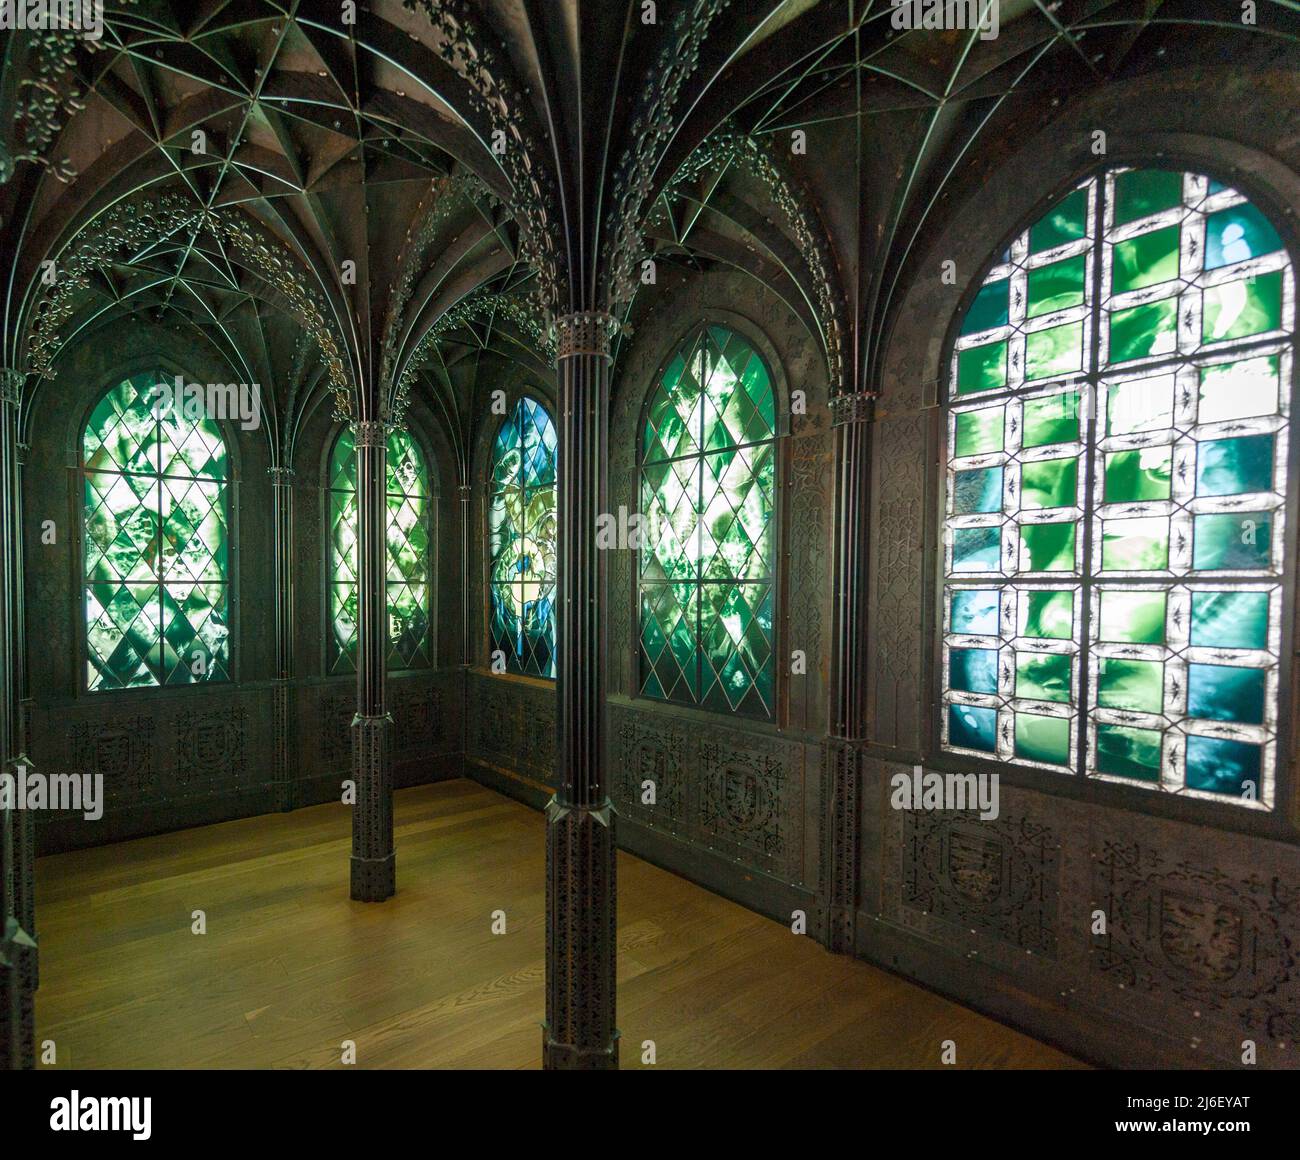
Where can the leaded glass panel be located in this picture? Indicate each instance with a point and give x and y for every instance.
(1114, 537)
(522, 541)
(708, 478)
(156, 542)
(409, 536)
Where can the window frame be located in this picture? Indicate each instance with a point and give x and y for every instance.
(514, 395)
(759, 343)
(165, 367)
(1280, 821)
(327, 565)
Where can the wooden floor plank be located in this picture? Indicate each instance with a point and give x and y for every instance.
(290, 968)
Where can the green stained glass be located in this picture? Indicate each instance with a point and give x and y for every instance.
(1145, 260)
(409, 543)
(1141, 331)
(1238, 234)
(1137, 686)
(1047, 547)
(1053, 419)
(1043, 676)
(1049, 483)
(156, 543)
(1239, 390)
(1055, 351)
(989, 310)
(708, 480)
(1143, 536)
(1240, 309)
(522, 541)
(1141, 474)
(982, 368)
(1138, 545)
(1142, 405)
(1044, 739)
(1067, 221)
(1128, 752)
(1048, 615)
(1132, 617)
(1230, 619)
(1057, 286)
(979, 432)
(1142, 192)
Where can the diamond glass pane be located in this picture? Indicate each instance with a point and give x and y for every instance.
(522, 541)
(156, 542)
(409, 538)
(1114, 537)
(708, 479)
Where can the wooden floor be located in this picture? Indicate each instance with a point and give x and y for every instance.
(289, 968)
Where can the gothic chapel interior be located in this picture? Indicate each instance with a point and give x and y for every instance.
(688, 534)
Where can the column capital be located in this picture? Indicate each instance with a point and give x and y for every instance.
(11, 385)
(24, 450)
(465, 491)
(851, 407)
(586, 332)
(280, 475)
(371, 432)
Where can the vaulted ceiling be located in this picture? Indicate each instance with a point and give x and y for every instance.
(354, 211)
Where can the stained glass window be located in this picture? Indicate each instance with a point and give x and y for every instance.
(522, 536)
(409, 564)
(708, 474)
(156, 542)
(1114, 541)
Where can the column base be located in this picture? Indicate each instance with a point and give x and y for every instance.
(374, 879)
(574, 1057)
(581, 938)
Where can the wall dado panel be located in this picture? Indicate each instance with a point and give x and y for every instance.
(1201, 900)
(182, 758)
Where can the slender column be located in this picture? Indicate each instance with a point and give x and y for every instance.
(17, 861)
(285, 756)
(466, 643)
(581, 889)
(850, 416)
(374, 863)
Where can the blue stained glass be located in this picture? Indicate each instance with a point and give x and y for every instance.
(977, 491)
(975, 612)
(1230, 619)
(522, 535)
(976, 549)
(1225, 693)
(1237, 234)
(1228, 542)
(1221, 765)
(1234, 466)
(973, 727)
(973, 670)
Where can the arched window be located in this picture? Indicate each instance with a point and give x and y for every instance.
(708, 474)
(156, 542)
(522, 538)
(410, 535)
(1118, 419)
